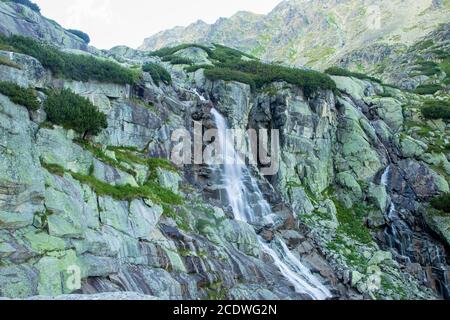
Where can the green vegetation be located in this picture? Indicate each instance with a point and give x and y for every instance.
(230, 75)
(177, 60)
(98, 153)
(194, 68)
(6, 62)
(80, 34)
(171, 50)
(72, 111)
(227, 54)
(427, 68)
(351, 254)
(351, 222)
(435, 109)
(33, 6)
(442, 203)
(428, 89)
(155, 163)
(18, 95)
(158, 73)
(258, 74)
(149, 190)
(229, 65)
(422, 45)
(72, 66)
(216, 291)
(142, 103)
(336, 71)
(54, 168)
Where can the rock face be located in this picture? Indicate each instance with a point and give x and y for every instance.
(316, 33)
(350, 198)
(21, 20)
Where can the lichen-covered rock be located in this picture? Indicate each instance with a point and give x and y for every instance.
(412, 148)
(21, 179)
(56, 147)
(54, 273)
(390, 110)
(144, 218)
(20, 281)
(168, 179)
(241, 235)
(30, 73)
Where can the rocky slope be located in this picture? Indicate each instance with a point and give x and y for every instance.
(358, 168)
(19, 19)
(314, 33)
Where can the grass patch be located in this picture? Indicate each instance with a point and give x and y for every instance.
(143, 104)
(350, 253)
(6, 62)
(98, 153)
(216, 291)
(23, 96)
(71, 66)
(53, 169)
(351, 222)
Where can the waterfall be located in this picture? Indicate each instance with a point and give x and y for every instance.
(398, 234)
(234, 175)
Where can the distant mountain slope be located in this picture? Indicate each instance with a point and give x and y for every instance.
(314, 33)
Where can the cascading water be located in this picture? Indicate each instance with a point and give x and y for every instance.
(235, 174)
(398, 233)
(400, 236)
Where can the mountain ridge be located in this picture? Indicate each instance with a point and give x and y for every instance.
(313, 33)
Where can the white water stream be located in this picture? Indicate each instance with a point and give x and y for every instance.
(234, 173)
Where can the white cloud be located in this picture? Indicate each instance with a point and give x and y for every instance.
(114, 22)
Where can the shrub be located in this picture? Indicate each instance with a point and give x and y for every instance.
(72, 66)
(442, 203)
(435, 109)
(158, 73)
(226, 54)
(427, 68)
(33, 6)
(197, 67)
(229, 75)
(178, 60)
(80, 34)
(336, 71)
(168, 51)
(24, 97)
(72, 111)
(258, 74)
(427, 89)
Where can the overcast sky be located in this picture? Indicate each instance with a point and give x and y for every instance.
(128, 22)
